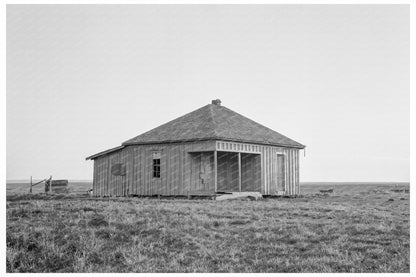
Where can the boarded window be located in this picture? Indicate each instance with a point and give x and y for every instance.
(118, 169)
(156, 165)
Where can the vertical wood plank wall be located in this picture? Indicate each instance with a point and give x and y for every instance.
(271, 174)
(181, 170)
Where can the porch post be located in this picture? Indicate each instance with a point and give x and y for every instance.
(215, 170)
(239, 171)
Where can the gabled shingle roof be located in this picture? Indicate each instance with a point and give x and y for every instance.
(213, 122)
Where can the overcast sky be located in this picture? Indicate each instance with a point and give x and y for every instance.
(84, 78)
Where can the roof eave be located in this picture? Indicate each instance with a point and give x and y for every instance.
(105, 152)
(297, 146)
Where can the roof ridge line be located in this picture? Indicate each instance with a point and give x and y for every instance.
(165, 124)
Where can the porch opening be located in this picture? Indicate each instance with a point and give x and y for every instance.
(238, 172)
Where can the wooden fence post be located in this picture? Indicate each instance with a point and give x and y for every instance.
(30, 184)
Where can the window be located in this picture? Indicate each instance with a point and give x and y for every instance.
(156, 165)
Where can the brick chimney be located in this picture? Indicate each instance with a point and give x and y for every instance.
(216, 102)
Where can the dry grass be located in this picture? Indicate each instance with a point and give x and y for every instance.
(358, 229)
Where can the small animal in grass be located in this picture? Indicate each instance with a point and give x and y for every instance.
(326, 190)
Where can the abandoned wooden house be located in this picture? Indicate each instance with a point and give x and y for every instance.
(210, 149)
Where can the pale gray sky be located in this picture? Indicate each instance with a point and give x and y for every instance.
(84, 78)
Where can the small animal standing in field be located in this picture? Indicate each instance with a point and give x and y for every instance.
(326, 190)
(400, 189)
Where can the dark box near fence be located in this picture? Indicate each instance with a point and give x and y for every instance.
(59, 186)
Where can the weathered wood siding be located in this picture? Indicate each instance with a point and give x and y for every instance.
(190, 167)
(272, 170)
(183, 168)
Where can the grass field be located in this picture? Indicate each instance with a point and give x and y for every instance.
(359, 228)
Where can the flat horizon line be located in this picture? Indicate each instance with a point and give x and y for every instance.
(303, 182)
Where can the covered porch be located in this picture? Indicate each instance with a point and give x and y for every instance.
(237, 172)
(231, 167)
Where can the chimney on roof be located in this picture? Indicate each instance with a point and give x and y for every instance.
(216, 102)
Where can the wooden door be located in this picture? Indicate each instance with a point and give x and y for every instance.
(206, 172)
(280, 182)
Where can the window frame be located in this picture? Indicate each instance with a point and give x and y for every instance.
(156, 164)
